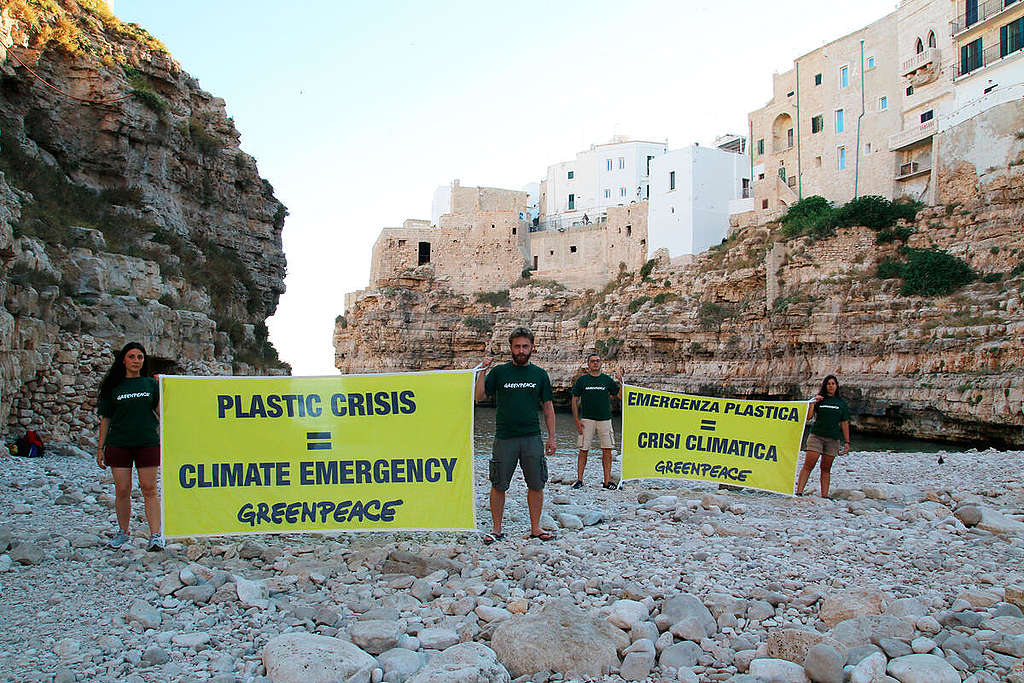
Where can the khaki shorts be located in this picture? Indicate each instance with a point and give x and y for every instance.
(820, 444)
(604, 433)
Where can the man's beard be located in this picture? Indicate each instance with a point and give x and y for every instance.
(521, 358)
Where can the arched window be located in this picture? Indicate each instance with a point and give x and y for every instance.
(931, 38)
(920, 46)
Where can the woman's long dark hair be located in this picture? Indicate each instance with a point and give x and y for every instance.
(824, 385)
(116, 374)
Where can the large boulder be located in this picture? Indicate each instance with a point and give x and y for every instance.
(309, 658)
(560, 638)
(851, 603)
(683, 606)
(375, 635)
(996, 522)
(778, 670)
(793, 644)
(627, 614)
(401, 562)
(922, 669)
(463, 663)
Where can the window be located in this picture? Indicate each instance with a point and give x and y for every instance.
(649, 164)
(817, 123)
(789, 138)
(764, 203)
(817, 79)
(1011, 37)
(871, 62)
(572, 202)
(931, 37)
(844, 76)
(927, 116)
(970, 56)
(607, 193)
(424, 254)
(971, 12)
(919, 47)
(401, 243)
(841, 158)
(745, 188)
(622, 162)
(571, 175)
(760, 146)
(572, 249)
(867, 148)
(629, 230)
(790, 93)
(883, 103)
(671, 180)
(760, 176)
(840, 121)
(608, 164)
(622, 192)
(910, 90)
(817, 162)
(535, 259)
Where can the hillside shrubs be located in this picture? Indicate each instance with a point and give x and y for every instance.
(816, 217)
(498, 299)
(934, 272)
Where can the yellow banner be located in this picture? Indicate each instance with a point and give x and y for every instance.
(293, 454)
(755, 444)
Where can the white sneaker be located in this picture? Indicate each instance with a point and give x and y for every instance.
(119, 540)
(156, 542)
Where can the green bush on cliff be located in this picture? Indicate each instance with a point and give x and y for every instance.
(934, 272)
(637, 303)
(875, 212)
(888, 269)
(645, 270)
(809, 216)
(478, 323)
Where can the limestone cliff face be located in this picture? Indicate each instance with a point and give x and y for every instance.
(130, 216)
(762, 316)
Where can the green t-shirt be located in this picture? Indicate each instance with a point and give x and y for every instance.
(130, 409)
(595, 396)
(517, 390)
(827, 416)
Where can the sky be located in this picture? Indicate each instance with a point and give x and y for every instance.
(356, 112)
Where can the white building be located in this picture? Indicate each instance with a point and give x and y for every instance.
(612, 174)
(691, 192)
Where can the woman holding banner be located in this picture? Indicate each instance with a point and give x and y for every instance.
(831, 424)
(128, 404)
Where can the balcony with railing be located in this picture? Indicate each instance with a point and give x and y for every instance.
(979, 59)
(920, 60)
(913, 169)
(978, 13)
(908, 137)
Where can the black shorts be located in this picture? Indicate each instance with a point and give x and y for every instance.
(528, 451)
(124, 456)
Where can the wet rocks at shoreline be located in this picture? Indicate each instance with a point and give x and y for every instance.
(897, 575)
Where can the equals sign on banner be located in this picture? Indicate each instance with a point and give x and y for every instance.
(318, 441)
(707, 425)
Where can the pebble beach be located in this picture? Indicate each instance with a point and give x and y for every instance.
(912, 571)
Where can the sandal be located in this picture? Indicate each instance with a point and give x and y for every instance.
(544, 536)
(610, 485)
(492, 538)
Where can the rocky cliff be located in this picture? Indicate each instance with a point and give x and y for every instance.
(765, 315)
(127, 212)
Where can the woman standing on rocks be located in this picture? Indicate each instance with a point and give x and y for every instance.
(128, 404)
(831, 424)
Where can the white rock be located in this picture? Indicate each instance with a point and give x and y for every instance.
(191, 639)
(922, 669)
(627, 613)
(778, 670)
(251, 593)
(307, 658)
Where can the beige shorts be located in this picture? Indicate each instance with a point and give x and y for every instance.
(820, 444)
(604, 433)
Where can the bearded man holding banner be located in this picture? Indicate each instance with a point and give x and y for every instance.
(518, 386)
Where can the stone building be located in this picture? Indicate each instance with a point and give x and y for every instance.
(480, 245)
(487, 240)
(928, 67)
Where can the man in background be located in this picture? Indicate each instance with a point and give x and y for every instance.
(592, 410)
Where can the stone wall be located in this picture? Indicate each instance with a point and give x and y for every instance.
(590, 256)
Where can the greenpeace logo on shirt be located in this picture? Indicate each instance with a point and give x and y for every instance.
(519, 385)
(596, 388)
(137, 394)
(830, 407)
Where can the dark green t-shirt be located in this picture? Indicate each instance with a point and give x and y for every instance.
(517, 390)
(827, 416)
(130, 409)
(595, 396)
